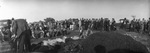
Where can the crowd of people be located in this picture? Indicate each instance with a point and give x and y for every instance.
(59, 28)
(21, 32)
(136, 25)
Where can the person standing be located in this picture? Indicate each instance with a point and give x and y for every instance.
(22, 36)
(113, 28)
(148, 26)
(132, 25)
(143, 23)
(106, 24)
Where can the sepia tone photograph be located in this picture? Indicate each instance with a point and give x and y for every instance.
(74, 26)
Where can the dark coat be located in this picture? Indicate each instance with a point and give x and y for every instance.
(21, 29)
(19, 26)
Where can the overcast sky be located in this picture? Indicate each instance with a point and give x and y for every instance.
(35, 10)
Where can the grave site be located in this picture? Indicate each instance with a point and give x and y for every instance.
(118, 41)
(74, 26)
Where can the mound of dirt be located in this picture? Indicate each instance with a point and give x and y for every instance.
(110, 42)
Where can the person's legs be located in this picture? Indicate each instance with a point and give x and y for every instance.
(14, 45)
(21, 44)
(27, 41)
(27, 45)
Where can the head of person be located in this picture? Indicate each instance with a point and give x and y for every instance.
(12, 19)
(100, 49)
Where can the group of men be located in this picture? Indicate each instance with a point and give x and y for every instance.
(48, 29)
(102, 24)
(136, 25)
(20, 32)
(53, 29)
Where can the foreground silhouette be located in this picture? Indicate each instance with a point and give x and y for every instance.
(111, 42)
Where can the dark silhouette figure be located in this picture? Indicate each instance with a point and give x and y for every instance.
(22, 34)
(100, 49)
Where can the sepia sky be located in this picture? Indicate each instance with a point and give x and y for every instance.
(35, 10)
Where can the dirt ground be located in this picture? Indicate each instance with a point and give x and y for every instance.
(141, 38)
(120, 40)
